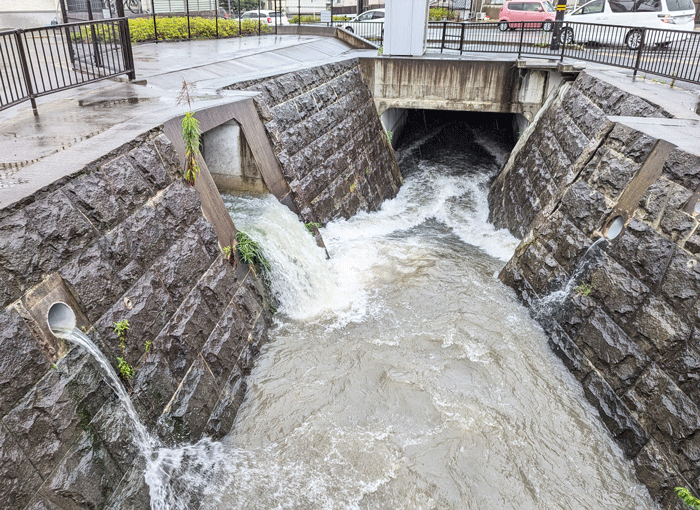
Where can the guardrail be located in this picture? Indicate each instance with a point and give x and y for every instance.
(38, 61)
(673, 54)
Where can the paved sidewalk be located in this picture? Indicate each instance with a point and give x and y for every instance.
(76, 126)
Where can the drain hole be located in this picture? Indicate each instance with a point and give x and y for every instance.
(615, 227)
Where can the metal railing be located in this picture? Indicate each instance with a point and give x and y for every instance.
(39, 61)
(673, 54)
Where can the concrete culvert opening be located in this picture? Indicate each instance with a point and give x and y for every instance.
(61, 319)
(615, 227)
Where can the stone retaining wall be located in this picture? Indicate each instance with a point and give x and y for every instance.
(629, 326)
(330, 143)
(125, 239)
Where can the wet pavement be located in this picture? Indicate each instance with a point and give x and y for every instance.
(77, 126)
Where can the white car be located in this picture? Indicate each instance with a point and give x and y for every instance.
(635, 14)
(270, 18)
(369, 24)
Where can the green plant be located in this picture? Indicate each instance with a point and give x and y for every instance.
(54, 366)
(389, 136)
(147, 346)
(250, 252)
(311, 226)
(120, 328)
(583, 289)
(229, 252)
(440, 14)
(687, 498)
(190, 135)
(380, 50)
(125, 370)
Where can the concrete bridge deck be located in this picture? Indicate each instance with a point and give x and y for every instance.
(77, 126)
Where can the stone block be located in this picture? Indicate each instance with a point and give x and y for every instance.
(182, 265)
(208, 236)
(22, 360)
(182, 202)
(681, 283)
(611, 351)
(630, 143)
(667, 413)
(52, 415)
(642, 251)
(39, 502)
(571, 139)
(659, 476)
(132, 493)
(585, 207)
(86, 476)
(655, 200)
(146, 159)
(19, 480)
(612, 173)
(62, 230)
(147, 306)
(9, 288)
(225, 344)
(678, 225)
(683, 368)
(146, 235)
(683, 168)
(224, 414)
(93, 195)
(116, 432)
(540, 268)
(589, 118)
(618, 292)
(153, 387)
(693, 243)
(659, 324)
(19, 249)
(566, 349)
(623, 426)
(187, 413)
(562, 238)
(168, 154)
(94, 280)
(183, 337)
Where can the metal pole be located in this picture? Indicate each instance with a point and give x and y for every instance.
(299, 13)
(187, 8)
(69, 40)
(25, 69)
(126, 48)
(259, 22)
(239, 18)
(155, 25)
(639, 54)
(216, 17)
(558, 20)
(95, 48)
(522, 33)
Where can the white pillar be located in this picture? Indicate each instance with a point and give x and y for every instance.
(405, 27)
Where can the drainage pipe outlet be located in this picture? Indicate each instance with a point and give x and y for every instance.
(61, 319)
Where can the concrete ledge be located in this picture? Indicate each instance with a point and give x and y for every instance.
(354, 41)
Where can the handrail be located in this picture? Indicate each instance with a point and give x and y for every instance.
(674, 54)
(38, 61)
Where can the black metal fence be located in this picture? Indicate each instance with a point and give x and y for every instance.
(673, 54)
(39, 61)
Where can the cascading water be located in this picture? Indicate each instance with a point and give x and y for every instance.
(401, 373)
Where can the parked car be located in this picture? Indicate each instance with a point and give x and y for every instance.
(535, 13)
(369, 24)
(267, 17)
(671, 15)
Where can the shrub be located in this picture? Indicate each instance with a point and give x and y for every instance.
(175, 28)
(440, 14)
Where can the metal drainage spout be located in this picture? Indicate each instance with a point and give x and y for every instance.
(61, 319)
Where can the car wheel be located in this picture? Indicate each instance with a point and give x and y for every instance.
(567, 35)
(502, 26)
(547, 26)
(349, 29)
(633, 40)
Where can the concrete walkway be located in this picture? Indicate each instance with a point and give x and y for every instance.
(77, 126)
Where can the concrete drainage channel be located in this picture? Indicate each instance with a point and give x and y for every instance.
(155, 244)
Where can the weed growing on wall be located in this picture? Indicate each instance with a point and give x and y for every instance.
(120, 328)
(311, 227)
(583, 289)
(125, 370)
(250, 252)
(687, 498)
(190, 135)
